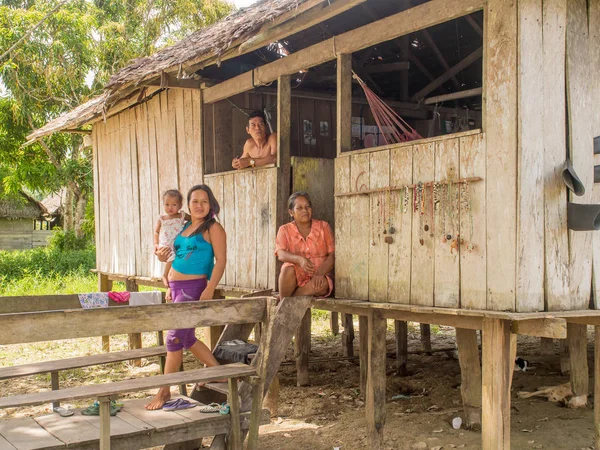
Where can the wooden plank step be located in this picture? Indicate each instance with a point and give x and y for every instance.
(235, 370)
(24, 433)
(222, 388)
(132, 427)
(81, 361)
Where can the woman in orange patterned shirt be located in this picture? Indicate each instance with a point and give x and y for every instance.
(306, 249)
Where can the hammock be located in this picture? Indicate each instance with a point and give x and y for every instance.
(393, 128)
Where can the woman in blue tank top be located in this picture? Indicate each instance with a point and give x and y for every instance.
(200, 258)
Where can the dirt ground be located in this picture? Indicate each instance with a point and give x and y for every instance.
(330, 414)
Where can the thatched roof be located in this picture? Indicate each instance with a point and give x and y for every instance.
(20, 206)
(54, 203)
(203, 45)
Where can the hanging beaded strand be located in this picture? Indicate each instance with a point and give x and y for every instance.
(406, 199)
(444, 210)
(420, 211)
(470, 245)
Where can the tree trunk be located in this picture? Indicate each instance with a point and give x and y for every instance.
(79, 216)
(68, 210)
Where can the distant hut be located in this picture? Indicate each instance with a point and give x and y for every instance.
(54, 204)
(17, 215)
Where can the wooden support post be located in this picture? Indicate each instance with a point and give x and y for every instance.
(257, 397)
(302, 349)
(235, 438)
(348, 335)
(104, 285)
(577, 341)
(214, 333)
(497, 375)
(271, 400)
(546, 346)
(344, 103)
(104, 423)
(160, 341)
(425, 337)
(401, 332)
(565, 361)
(470, 374)
(55, 386)
(335, 323)
(597, 386)
(135, 339)
(363, 351)
(284, 139)
(375, 398)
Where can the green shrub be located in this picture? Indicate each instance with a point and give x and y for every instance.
(66, 240)
(43, 262)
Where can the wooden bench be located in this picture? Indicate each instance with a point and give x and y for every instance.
(103, 392)
(54, 367)
(20, 328)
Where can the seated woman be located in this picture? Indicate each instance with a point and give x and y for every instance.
(194, 276)
(306, 248)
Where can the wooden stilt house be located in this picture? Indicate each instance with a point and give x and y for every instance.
(466, 227)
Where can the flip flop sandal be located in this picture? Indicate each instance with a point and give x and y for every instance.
(211, 408)
(94, 410)
(116, 405)
(63, 412)
(224, 409)
(177, 404)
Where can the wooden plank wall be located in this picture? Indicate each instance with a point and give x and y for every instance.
(406, 271)
(248, 214)
(138, 154)
(594, 47)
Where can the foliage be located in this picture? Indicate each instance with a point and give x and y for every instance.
(33, 284)
(63, 241)
(45, 262)
(63, 58)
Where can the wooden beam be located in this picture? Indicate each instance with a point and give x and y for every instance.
(390, 67)
(453, 96)
(423, 16)
(344, 104)
(40, 326)
(302, 350)
(577, 342)
(597, 386)
(474, 25)
(375, 398)
(172, 82)
(425, 337)
(284, 139)
(363, 352)
(203, 61)
(470, 374)
(348, 335)
(440, 57)
(497, 374)
(401, 333)
(548, 328)
(466, 62)
(314, 16)
(417, 62)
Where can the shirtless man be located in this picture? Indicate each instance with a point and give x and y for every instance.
(261, 148)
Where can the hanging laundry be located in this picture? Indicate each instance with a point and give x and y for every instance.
(119, 297)
(93, 300)
(145, 298)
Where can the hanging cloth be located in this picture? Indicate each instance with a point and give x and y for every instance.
(393, 128)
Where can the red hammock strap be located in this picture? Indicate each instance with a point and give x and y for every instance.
(393, 127)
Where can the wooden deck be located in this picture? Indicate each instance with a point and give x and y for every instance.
(133, 427)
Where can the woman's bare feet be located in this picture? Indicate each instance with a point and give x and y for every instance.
(162, 396)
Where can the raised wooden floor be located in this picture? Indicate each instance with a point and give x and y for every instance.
(133, 427)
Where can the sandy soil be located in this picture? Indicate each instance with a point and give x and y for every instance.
(330, 412)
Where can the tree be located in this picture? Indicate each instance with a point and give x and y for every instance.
(59, 54)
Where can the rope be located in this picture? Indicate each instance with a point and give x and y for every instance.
(393, 128)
